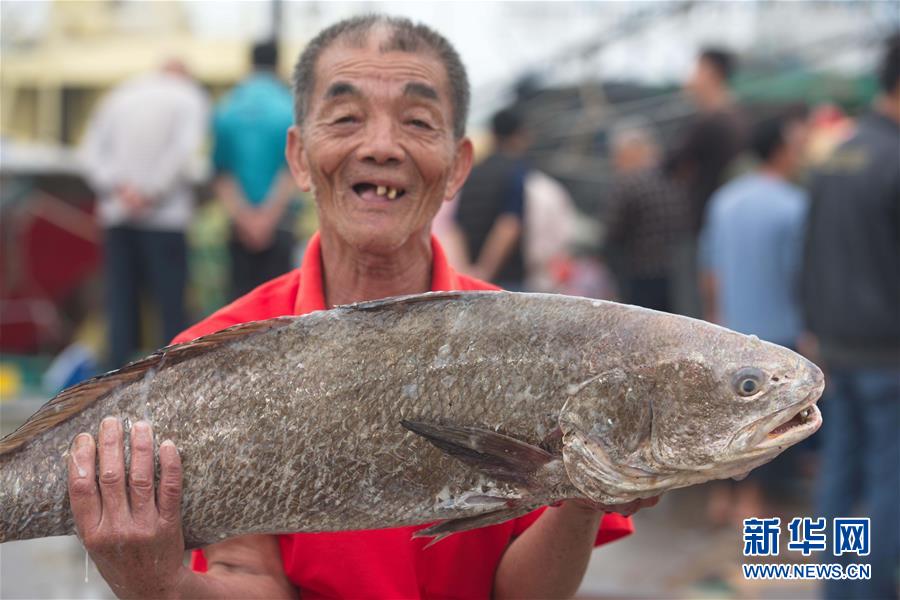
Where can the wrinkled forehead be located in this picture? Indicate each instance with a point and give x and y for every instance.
(378, 58)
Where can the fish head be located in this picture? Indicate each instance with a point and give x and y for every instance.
(739, 401)
(707, 403)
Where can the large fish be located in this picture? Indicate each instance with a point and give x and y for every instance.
(468, 408)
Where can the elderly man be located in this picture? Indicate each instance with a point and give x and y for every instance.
(380, 108)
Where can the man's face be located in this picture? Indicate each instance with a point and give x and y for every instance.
(796, 136)
(634, 155)
(703, 80)
(377, 145)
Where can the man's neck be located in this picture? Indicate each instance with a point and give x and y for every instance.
(350, 275)
(717, 100)
(774, 171)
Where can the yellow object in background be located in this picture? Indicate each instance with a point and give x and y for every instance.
(10, 381)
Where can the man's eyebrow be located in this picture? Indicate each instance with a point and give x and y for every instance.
(341, 88)
(420, 89)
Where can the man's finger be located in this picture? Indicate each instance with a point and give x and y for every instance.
(112, 472)
(140, 476)
(84, 497)
(169, 492)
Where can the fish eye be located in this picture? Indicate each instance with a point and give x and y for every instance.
(748, 381)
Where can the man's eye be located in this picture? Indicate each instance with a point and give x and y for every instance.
(420, 124)
(345, 119)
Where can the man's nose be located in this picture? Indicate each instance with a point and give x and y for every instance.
(382, 143)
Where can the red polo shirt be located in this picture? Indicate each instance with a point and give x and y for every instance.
(383, 563)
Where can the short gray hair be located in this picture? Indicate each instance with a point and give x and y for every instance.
(405, 36)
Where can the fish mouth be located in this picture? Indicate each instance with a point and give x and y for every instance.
(802, 424)
(791, 424)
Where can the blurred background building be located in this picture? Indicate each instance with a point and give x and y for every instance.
(574, 72)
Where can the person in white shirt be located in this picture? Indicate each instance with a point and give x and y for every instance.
(137, 152)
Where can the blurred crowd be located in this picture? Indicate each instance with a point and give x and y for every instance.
(753, 223)
(136, 151)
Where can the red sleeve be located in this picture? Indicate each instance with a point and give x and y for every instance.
(612, 526)
(467, 283)
(272, 299)
(198, 561)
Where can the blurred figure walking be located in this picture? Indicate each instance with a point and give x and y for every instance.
(137, 150)
(646, 218)
(491, 206)
(714, 137)
(252, 180)
(851, 288)
(750, 256)
(752, 239)
(700, 161)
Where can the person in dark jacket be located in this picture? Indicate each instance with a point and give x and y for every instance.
(851, 294)
(714, 137)
(701, 159)
(646, 217)
(491, 206)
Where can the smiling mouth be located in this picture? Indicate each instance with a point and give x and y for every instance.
(371, 191)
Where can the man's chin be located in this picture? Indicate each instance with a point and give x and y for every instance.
(379, 240)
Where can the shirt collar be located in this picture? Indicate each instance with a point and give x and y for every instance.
(311, 293)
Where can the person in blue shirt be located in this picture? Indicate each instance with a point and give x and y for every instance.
(252, 178)
(751, 248)
(752, 240)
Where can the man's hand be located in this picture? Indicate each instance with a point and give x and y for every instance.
(136, 204)
(550, 558)
(256, 229)
(132, 532)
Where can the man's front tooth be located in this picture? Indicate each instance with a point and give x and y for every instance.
(392, 193)
(381, 190)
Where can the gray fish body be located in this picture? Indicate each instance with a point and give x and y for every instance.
(298, 424)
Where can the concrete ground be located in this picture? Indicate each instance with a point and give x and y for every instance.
(675, 554)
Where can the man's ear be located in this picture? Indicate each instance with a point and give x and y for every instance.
(462, 166)
(296, 158)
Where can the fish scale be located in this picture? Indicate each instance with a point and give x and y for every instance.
(463, 408)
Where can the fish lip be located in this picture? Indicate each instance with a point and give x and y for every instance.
(795, 433)
(763, 427)
(764, 438)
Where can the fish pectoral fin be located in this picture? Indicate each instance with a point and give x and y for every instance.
(500, 456)
(445, 528)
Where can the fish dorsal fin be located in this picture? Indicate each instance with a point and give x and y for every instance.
(401, 302)
(77, 398)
